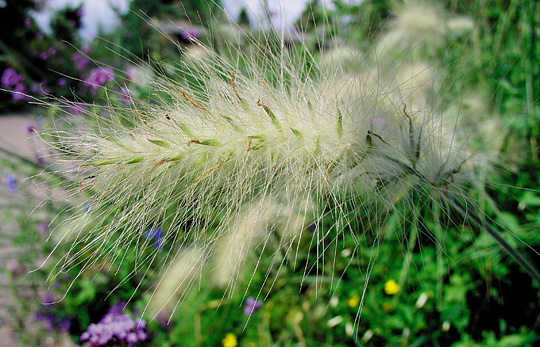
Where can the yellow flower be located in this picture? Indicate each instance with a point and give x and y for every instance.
(391, 287)
(353, 301)
(229, 340)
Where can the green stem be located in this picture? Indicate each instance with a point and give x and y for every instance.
(473, 217)
(439, 235)
(411, 243)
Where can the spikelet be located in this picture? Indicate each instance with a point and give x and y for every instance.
(178, 278)
(227, 156)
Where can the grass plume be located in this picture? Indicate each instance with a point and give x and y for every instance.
(236, 158)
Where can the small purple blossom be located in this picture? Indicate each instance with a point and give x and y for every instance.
(43, 228)
(252, 305)
(47, 300)
(191, 33)
(16, 269)
(40, 158)
(71, 22)
(50, 52)
(52, 318)
(76, 109)
(18, 92)
(10, 78)
(11, 182)
(125, 95)
(157, 235)
(39, 87)
(130, 75)
(117, 328)
(81, 61)
(64, 324)
(163, 320)
(79, 12)
(61, 82)
(98, 77)
(29, 127)
(40, 36)
(27, 22)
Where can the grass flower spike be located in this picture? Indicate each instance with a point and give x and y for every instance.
(233, 160)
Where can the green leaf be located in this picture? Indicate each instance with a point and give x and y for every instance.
(160, 143)
(530, 199)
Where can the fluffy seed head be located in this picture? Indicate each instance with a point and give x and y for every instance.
(230, 154)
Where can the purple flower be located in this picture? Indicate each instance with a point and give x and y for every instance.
(81, 61)
(125, 95)
(61, 82)
(28, 128)
(252, 305)
(320, 32)
(79, 12)
(156, 234)
(76, 109)
(40, 158)
(40, 36)
(11, 182)
(115, 327)
(130, 75)
(191, 33)
(53, 319)
(39, 87)
(45, 55)
(16, 269)
(63, 324)
(98, 77)
(18, 92)
(27, 22)
(43, 228)
(163, 320)
(10, 78)
(47, 300)
(71, 22)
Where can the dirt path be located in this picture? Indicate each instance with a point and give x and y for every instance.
(11, 137)
(14, 139)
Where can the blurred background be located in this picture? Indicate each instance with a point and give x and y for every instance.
(475, 62)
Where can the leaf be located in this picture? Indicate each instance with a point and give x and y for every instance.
(530, 199)
(160, 143)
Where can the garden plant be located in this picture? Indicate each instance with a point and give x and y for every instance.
(366, 177)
